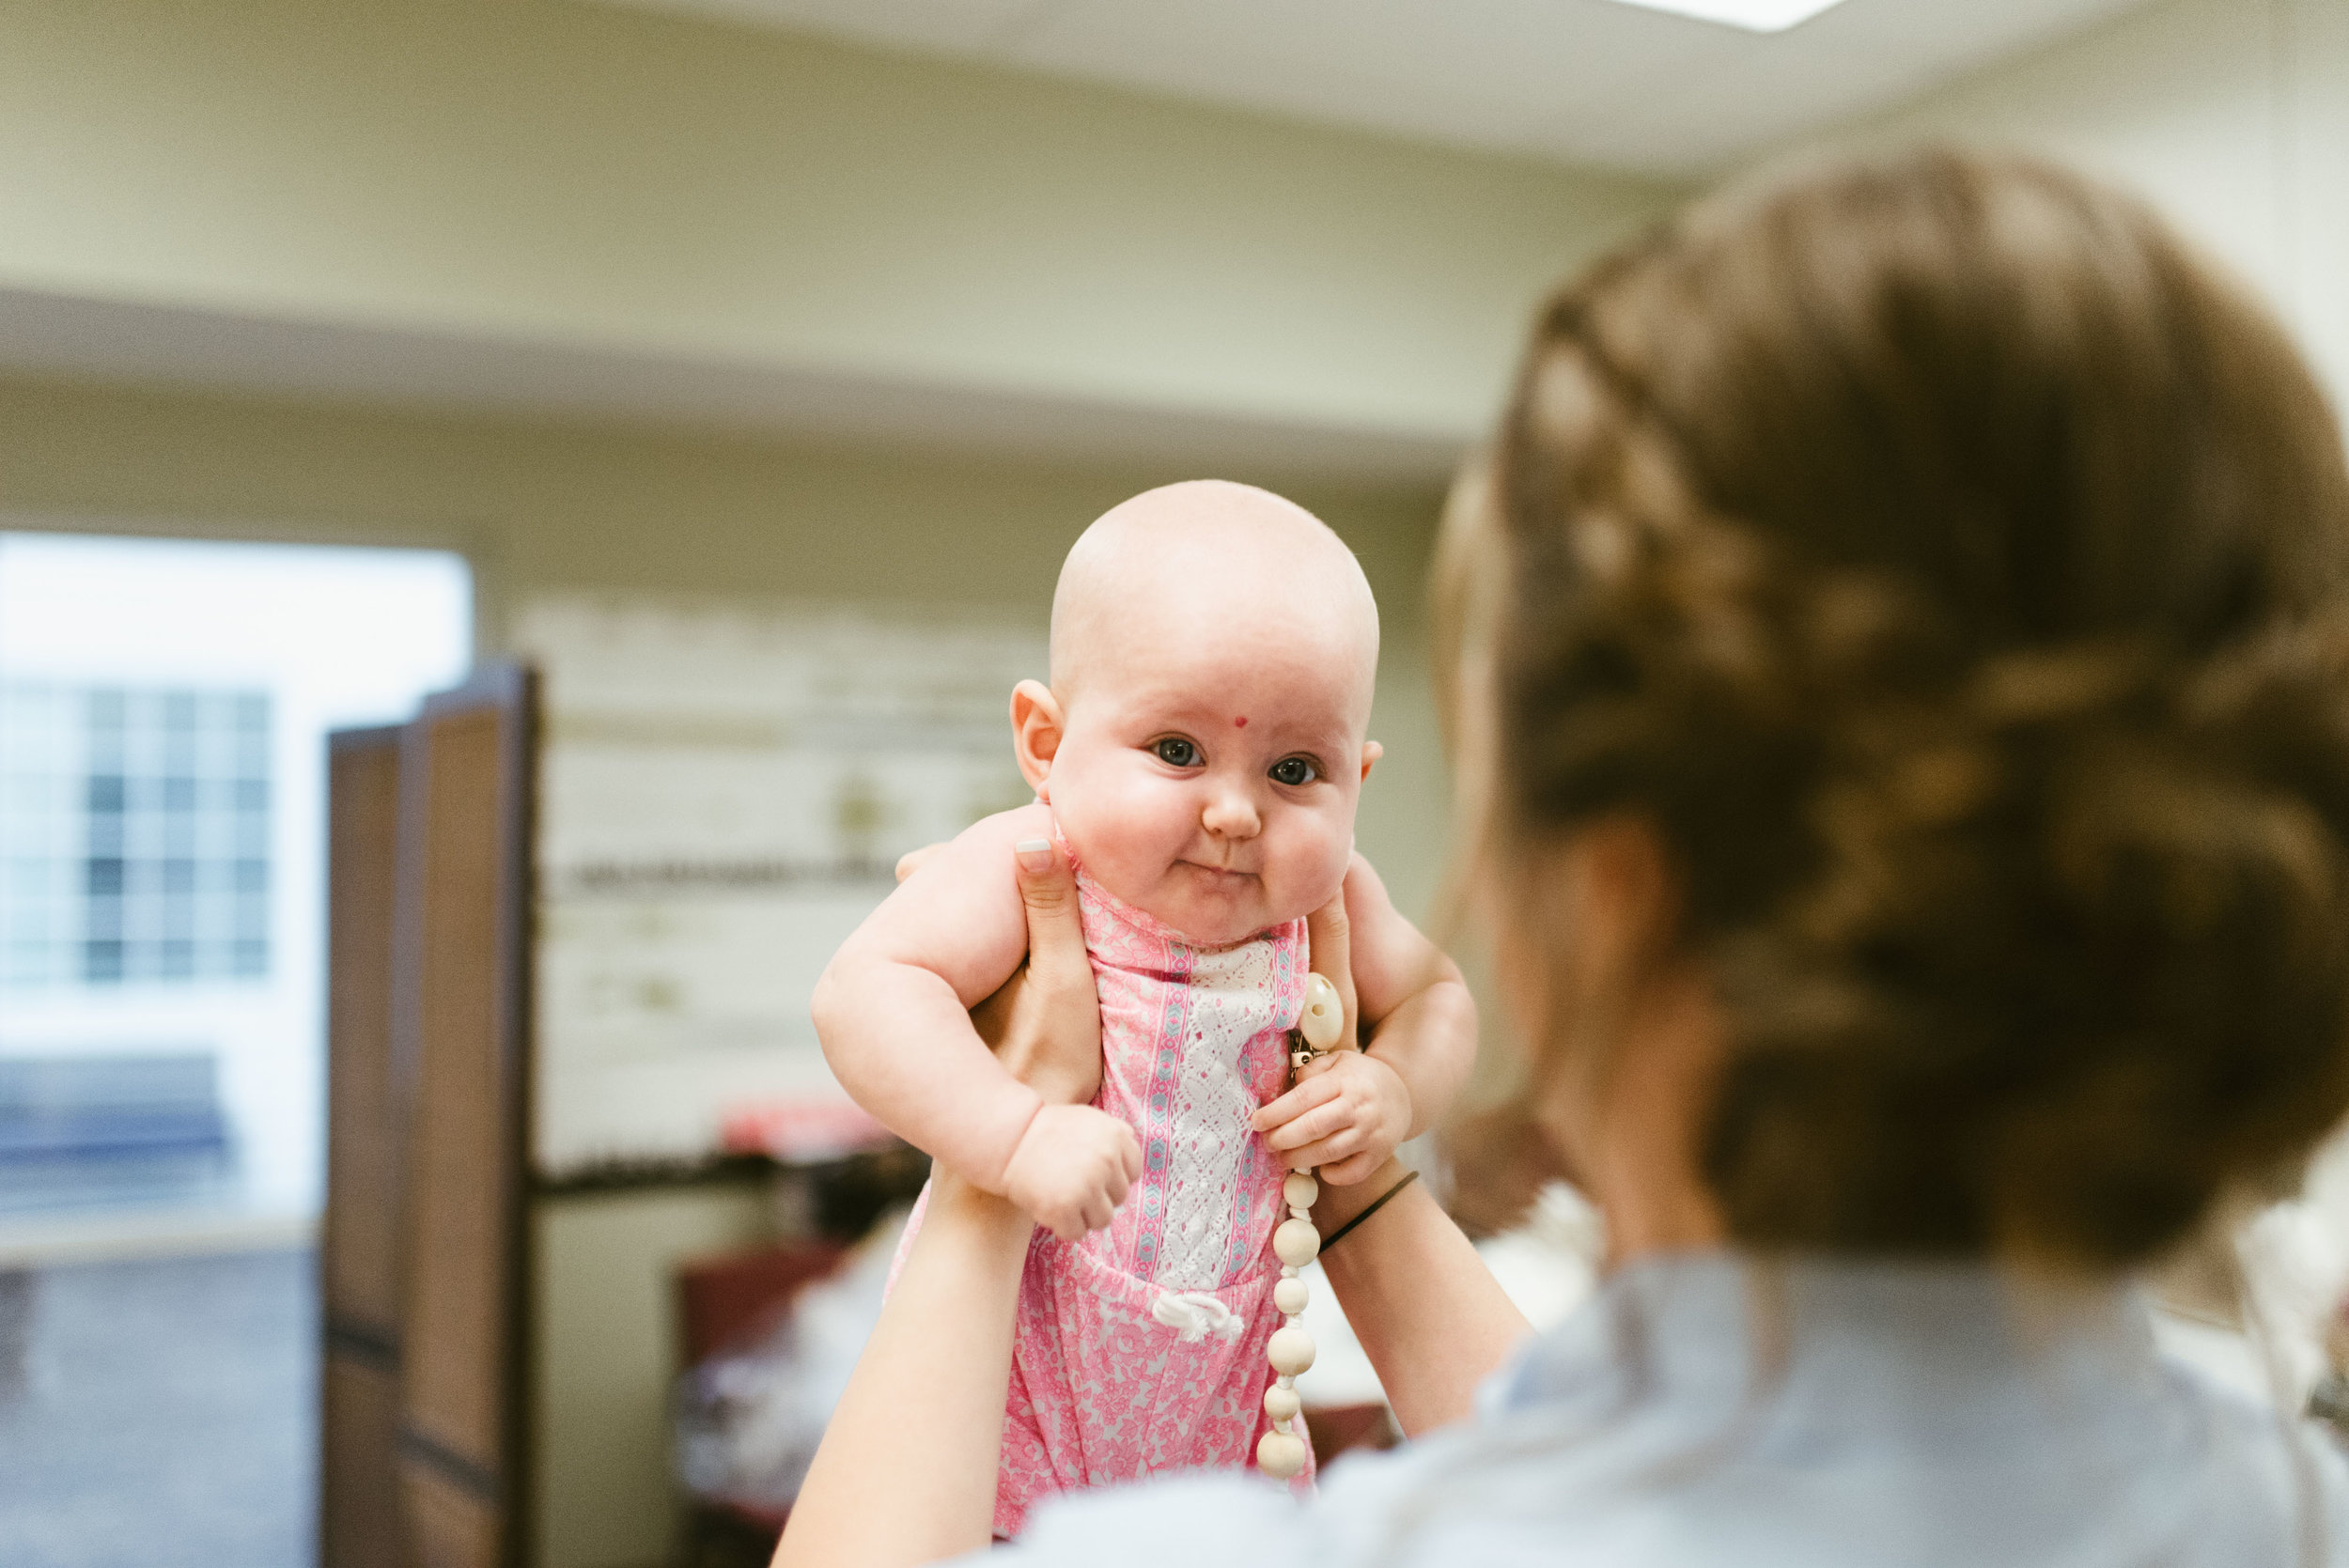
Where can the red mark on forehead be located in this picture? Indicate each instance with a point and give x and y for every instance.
(1240, 723)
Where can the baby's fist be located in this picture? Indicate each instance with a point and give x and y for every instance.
(1345, 1116)
(1073, 1167)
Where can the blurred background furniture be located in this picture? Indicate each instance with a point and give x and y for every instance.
(112, 1129)
(427, 1419)
(494, 1334)
(726, 1302)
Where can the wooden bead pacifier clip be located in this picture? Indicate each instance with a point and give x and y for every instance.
(1280, 1452)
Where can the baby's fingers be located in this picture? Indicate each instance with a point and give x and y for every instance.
(1323, 1121)
(1347, 1171)
(1348, 1137)
(1312, 1092)
(1347, 1157)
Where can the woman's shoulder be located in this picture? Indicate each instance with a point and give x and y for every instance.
(2261, 1474)
(1369, 1508)
(2233, 1484)
(1180, 1520)
(1183, 1521)
(1910, 1419)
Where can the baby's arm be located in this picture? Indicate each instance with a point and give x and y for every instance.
(1417, 1014)
(893, 1013)
(1349, 1111)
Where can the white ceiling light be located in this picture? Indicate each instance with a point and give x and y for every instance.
(1754, 16)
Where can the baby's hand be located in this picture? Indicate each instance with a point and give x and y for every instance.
(1347, 1112)
(1072, 1169)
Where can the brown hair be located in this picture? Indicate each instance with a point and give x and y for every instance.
(1950, 566)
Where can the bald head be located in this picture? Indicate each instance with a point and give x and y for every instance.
(1206, 556)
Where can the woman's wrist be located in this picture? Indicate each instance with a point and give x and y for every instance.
(1429, 1314)
(926, 1401)
(968, 1207)
(1338, 1206)
(1369, 1213)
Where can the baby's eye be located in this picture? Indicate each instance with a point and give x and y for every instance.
(1294, 770)
(1177, 752)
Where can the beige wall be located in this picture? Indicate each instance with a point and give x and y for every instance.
(2231, 116)
(539, 506)
(606, 1351)
(549, 171)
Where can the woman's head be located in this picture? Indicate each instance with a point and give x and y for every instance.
(1948, 572)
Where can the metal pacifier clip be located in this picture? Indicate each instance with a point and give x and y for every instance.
(1280, 1452)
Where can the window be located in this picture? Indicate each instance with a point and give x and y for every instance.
(138, 834)
(164, 710)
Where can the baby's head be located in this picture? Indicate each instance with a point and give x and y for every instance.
(1204, 741)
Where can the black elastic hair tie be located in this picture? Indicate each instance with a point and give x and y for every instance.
(1381, 1202)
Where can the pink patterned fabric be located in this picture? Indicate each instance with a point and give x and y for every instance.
(1194, 1040)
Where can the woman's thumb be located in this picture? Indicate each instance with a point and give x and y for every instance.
(1055, 934)
(1328, 944)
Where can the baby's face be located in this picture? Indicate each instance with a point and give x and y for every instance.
(1207, 775)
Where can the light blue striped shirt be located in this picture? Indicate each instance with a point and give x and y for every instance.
(1702, 1412)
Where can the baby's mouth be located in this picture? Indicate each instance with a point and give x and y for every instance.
(1221, 877)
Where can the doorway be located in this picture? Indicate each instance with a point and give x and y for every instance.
(163, 706)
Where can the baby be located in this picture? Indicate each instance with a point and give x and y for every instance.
(1198, 755)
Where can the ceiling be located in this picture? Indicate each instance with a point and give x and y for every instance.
(1581, 81)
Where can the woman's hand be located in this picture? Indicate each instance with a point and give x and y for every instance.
(1045, 1022)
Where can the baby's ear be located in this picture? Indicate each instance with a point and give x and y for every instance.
(1372, 752)
(1035, 732)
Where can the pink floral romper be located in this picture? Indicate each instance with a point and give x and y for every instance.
(1141, 1348)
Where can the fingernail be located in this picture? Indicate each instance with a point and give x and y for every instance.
(1036, 854)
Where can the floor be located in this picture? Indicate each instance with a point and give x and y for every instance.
(159, 1413)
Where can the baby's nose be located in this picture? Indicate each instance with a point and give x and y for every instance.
(1230, 813)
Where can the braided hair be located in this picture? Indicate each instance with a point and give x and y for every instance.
(1949, 566)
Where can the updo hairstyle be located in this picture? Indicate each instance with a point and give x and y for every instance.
(1950, 567)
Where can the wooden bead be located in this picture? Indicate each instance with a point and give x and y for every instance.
(1290, 1351)
(1324, 1016)
(1296, 1242)
(1282, 1403)
(1300, 1190)
(1280, 1456)
(1290, 1296)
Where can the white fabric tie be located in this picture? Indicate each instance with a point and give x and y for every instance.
(1197, 1314)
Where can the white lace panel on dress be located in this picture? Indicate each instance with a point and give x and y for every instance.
(1233, 998)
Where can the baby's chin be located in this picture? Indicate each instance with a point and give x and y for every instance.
(1208, 912)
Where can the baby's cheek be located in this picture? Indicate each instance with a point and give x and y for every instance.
(1121, 825)
(1315, 861)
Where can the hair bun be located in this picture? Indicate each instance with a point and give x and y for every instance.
(1952, 571)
